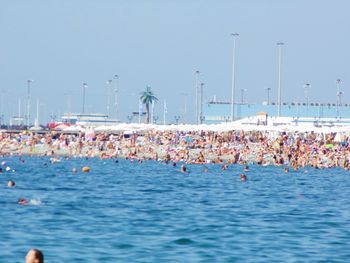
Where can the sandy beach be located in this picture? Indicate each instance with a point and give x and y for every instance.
(194, 147)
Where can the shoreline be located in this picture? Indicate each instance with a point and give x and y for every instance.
(233, 147)
(225, 159)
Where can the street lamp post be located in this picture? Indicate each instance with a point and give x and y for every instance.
(109, 84)
(279, 103)
(19, 112)
(37, 123)
(339, 93)
(84, 91)
(29, 81)
(116, 77)
(201, 104)
(307, 87)
(197, 72)
(234, 35)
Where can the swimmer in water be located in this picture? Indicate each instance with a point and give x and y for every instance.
(22, 201)
(243, 177)
(286, 170)
(183, 169)
(246, 168)
(224, 167)
(34, 256)
(11, 183)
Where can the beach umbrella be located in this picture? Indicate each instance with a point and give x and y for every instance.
(102, 128)
(36, 128)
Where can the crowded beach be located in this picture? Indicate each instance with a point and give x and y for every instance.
(257, 145)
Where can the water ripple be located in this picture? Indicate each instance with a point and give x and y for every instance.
(150, 212)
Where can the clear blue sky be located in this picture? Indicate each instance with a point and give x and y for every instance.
(61, 44)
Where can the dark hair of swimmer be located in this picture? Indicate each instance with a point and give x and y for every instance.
(22, 201)
(34, 256)
(11, 183)
(183, 169)
(243, 177)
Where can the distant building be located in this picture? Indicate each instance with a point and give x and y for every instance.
(92, 119)
(216, 111)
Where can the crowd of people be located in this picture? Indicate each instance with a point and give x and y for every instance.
(201, 147)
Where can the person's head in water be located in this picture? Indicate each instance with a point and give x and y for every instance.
(243, 177)
(183, 169)
(11, 183)
(246, 168)
(224, 167)
(34, 256)
(22, 201)
(286, 170)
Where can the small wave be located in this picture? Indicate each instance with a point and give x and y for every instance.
(125, 246)
(183, 241)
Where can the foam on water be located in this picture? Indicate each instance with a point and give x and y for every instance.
(35, 202)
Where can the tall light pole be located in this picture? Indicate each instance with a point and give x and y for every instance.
(36, 123)
(19, 112)
(279, 103)
(116, 78)
(84, 91)
(201, 104)
(307, 87)
(197, 72)
(29, 81)
(339, 93)
(234, 35)
(268, 95)
(109, 84)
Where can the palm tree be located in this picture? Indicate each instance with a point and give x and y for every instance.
(147, 98)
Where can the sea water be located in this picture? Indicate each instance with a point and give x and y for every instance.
(150, 212)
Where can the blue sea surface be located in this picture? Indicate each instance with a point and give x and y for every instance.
(150, 212)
